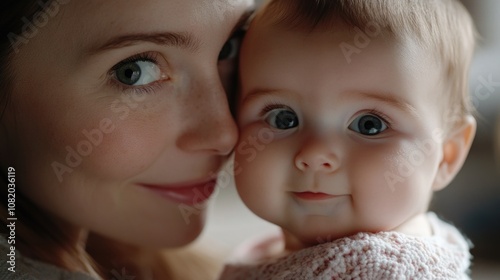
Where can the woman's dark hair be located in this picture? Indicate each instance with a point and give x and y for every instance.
(11, 24)
(38, 236)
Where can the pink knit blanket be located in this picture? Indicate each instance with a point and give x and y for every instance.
(384, 255)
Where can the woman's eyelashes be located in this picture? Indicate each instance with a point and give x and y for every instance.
(231, 48)
(138, 73)
(369, 124)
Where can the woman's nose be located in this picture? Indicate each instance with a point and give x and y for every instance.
(211, 127)
(317, 155)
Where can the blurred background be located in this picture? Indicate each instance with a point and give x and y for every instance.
(471, 202)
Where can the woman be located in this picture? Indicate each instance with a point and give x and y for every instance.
(114, 122)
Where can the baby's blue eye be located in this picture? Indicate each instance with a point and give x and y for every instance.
(282, 119)
(368, 125)
(137, 73)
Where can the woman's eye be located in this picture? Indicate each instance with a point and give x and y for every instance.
(368, 125)
(230, 48)
(282, 119)
(137, 72)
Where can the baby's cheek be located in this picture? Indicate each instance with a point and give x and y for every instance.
(262, 177)
(249, 186)
(401, 175)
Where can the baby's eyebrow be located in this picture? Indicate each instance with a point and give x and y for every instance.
(182, 40)
(392, 101)
(258, 92)
(389, 99)
(261, 92)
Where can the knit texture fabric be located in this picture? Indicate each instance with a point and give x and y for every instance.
(384, 255)
(29, 269)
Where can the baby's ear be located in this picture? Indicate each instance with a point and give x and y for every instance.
(455, 147)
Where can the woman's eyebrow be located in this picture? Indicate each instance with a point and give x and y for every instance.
(182, 40)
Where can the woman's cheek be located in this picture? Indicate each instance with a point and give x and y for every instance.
(111, 149)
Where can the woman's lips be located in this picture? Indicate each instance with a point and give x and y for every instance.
(313, 195)
(185, 193)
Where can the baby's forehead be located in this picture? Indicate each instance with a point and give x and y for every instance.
(351, 40)
(441, 31)
(373, 62)
(355, 38)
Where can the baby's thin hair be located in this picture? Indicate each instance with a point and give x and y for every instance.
(444, 28)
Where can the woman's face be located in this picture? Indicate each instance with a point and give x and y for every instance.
(118, 121)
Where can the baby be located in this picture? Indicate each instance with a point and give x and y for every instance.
(352, 113)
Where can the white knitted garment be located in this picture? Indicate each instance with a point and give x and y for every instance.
(384, 255)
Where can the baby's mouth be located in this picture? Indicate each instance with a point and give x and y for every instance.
(313, 195)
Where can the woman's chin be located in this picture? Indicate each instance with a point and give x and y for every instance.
(189, 236)
(173, 237)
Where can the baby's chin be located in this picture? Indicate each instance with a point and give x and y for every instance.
(308, 237)
(315, 239)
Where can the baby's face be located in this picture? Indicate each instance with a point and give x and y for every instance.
(334, 142)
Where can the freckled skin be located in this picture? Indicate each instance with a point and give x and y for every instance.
(178, 132)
